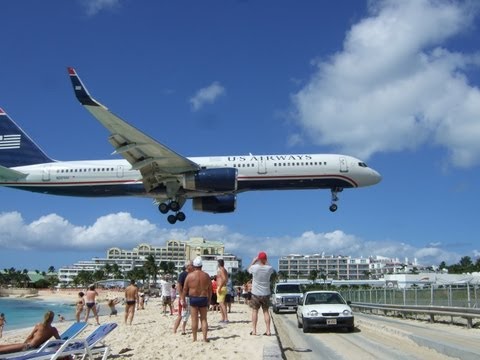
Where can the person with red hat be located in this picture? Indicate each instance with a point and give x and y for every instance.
(261, 272)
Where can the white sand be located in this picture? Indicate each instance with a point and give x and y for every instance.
(151, 334)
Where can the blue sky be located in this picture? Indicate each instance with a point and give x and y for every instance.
(393, 83)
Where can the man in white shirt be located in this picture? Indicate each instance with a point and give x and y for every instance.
(261, 272)
(166, 295)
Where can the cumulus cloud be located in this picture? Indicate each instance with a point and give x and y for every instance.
(122, 230)
(394, 86)
(93, 7)
(207, 95)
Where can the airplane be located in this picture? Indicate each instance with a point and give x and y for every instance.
(151, 169)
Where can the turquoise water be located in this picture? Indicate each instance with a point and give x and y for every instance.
(25, 313)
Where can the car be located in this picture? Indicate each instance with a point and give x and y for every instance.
(286, 296)
(324, 309)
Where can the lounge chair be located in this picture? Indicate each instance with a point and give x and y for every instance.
(90, 347)
(71, 332)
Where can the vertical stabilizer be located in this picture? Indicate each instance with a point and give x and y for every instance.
(16, 147)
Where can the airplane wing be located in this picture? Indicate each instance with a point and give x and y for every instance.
(156, 162)
(10, 174)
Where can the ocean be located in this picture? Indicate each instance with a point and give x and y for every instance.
(25, 313)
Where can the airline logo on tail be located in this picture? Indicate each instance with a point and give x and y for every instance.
(10, 141)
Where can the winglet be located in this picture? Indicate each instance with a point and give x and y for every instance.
(80, 90)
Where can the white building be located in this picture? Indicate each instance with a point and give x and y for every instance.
(176, 251)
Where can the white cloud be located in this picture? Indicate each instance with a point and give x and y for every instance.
(93, 7)
(394, 87)
(122, 230)
(207, 95)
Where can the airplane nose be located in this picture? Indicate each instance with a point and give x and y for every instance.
(376, 177)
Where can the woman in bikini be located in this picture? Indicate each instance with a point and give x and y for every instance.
(80, 305)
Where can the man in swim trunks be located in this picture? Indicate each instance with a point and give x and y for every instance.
(90, 301)
(40, 333)
(222, 278)
(198, 287)
(131, 297)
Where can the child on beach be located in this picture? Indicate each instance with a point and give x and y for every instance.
(2, 323)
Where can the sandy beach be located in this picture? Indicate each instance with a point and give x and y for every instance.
(151, 334)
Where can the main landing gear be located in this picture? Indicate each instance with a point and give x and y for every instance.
(333, 207)
(175, 207)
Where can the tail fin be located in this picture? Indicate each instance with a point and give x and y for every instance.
(16, 147)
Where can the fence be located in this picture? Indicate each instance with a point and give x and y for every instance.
(467, 296)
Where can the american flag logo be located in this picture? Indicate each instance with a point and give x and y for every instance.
(10, 141)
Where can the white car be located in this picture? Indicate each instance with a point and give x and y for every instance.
(324, 309)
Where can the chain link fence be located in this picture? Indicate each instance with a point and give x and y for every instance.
(467, 296)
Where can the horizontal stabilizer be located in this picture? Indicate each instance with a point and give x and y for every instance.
(11, 175)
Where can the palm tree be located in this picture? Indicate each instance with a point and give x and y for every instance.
(151, 268)
(117, 273)
(51, 269)
(313, 275)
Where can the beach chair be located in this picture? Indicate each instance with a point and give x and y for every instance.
(88, 348)
(71, 332)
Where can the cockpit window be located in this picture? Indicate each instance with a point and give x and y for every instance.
(362, 164)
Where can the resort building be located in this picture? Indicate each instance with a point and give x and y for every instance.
(175, 251)
(339, 267)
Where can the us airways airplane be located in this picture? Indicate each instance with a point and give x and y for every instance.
(151, 169)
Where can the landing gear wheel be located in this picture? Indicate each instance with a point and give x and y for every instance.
(180, 216)
(174, 206)
(172, 219)
(333, 207)
(164, 208)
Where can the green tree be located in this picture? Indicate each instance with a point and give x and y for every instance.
(313, 275)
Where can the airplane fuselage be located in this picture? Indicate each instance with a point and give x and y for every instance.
(105, 178)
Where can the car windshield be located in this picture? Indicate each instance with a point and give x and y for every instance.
(288, 288)
(324, 298)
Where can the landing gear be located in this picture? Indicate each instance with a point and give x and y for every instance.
(174, 206)
(335, 192)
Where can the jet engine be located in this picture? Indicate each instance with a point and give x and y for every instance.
(215, 204)
(218, 179)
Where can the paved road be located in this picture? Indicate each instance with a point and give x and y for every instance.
(378, 337)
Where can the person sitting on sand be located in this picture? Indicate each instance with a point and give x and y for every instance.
(111, 304)
(40, 333)
(2, 323)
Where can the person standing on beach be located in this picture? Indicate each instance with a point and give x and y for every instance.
(80, 305)
(222, 290)
(40, 333)
(3, 321)
(90, 302)
(131, 297)
(166, 295)
(183, 306)
(198, 287)
(261, 272)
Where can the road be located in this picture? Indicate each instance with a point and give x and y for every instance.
(378, 337)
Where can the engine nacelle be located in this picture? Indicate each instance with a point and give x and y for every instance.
(215, 204)
(218, 179)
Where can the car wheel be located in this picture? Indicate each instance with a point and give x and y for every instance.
(298, 323)
(305, 326)
(350, 328)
